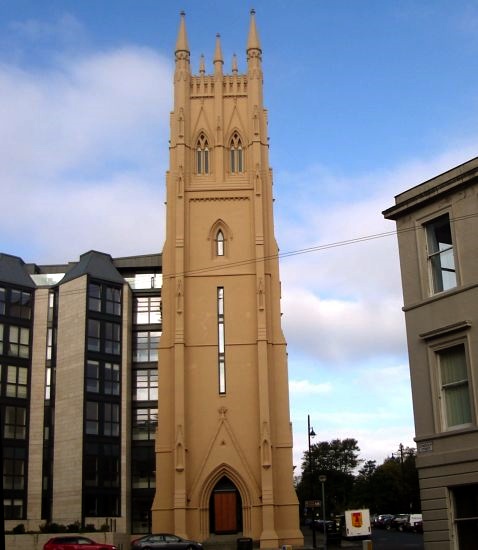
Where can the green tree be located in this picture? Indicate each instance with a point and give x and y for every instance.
(364, 492)
(392, 487)
(337, 460)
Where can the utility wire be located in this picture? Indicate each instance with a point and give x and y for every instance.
(316, 248)
(308, 250)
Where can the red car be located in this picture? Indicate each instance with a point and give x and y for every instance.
(75, 542)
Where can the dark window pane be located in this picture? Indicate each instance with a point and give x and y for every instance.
(92, 418)
(94, 297)
(2, 300)
(93, 376)
(94, 335)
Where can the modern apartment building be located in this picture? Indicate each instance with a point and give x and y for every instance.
(437, 226)
(79, 390)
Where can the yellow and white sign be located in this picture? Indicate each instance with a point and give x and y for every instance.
(357, 523)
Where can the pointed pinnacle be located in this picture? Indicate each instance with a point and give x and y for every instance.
(182, 41)
(253, 39)
(218, 51)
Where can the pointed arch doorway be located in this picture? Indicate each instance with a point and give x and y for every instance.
(225, 508)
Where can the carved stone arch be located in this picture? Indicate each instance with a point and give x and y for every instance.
(220, 226)
(202, 131)
(232, 131)
(206, 495)
(224, 470)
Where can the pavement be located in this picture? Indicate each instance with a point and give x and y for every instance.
(321, 543)
(229, 542)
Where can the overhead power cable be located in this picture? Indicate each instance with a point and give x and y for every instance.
(308, 250)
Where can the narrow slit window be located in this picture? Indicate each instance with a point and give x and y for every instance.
(220, 243)
(221, 344)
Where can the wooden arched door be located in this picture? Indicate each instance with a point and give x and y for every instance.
(225, 508)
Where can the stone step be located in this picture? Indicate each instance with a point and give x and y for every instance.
(227, 542)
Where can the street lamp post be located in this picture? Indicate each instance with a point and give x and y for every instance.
(322, 480)
(311, 433)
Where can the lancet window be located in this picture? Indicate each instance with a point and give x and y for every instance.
(236, 154)
(202, 155)
(220, 243)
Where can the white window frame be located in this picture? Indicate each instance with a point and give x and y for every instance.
(436, 256)
(439, 390)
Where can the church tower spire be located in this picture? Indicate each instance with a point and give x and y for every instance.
(218, 60)
(182, 40)
(224, 441)
(253, 44)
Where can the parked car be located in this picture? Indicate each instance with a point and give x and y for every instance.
(164, 541)
(382, 521)
(399, 522)
(330, 527)
(418, 526)
(76, 542)
(414, 523)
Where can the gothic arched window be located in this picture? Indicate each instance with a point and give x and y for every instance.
(236, 154)
(202, 155)
(220, 243)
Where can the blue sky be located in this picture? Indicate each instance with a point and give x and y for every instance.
(365, 100)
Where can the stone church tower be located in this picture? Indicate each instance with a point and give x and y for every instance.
(224, 443)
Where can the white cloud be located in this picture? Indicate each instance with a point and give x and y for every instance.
(378, 430)
(343, 303)
(341, 330)
(66, 29)
(76, 114)
(83, 155)
(305, 387)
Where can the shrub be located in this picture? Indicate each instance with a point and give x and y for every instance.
(52, 528)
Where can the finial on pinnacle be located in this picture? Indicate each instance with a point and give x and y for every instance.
(218, 52)
(253, 11)
(253, 39)
(182, 40)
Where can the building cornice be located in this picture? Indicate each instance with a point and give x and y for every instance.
(431, 190)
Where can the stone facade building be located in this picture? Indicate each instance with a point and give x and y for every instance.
(79, 348)
(437, 226)
(224, 447)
